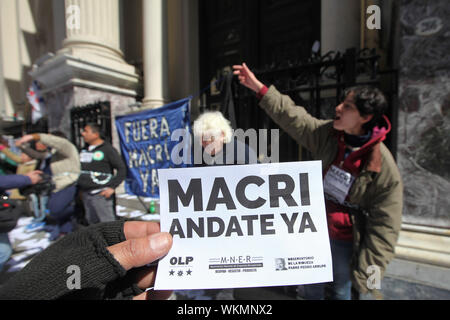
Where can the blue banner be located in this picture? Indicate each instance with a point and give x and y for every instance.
(146, 145)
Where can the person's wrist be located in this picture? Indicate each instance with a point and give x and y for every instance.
(258, 86)
(262, 92)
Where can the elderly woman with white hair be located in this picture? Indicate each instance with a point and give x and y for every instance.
(219, 145)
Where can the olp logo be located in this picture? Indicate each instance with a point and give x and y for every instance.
(374, 20)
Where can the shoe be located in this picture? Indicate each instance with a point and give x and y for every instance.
(34, 226)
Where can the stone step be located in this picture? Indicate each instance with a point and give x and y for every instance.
(137, 203)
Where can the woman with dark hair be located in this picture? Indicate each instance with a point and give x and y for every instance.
(362, 184)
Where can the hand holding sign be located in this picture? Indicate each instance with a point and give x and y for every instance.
(144, 245)
(231, 227)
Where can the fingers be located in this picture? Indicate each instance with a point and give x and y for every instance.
(139, 229)
(145, 277)
(35, 176)
(105, 194)
(237, 69)
(137, 252)
(247, 78)
(240, 72)
(244, 74)
(153, 295)
(145, 244)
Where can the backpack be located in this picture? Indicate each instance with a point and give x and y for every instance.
(10, 211)
(44, 187)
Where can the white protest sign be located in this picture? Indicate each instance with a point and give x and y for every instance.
(244, 226)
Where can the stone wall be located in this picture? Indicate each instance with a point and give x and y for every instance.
(61, 101)
(424, 111)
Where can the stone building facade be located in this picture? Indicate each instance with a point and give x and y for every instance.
(148, 51)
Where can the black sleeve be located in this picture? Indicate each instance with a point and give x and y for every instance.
(48, 275)
(39, 155)
(118, 164)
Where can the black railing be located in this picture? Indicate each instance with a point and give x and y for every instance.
(99, 113)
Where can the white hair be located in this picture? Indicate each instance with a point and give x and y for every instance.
(212, 123)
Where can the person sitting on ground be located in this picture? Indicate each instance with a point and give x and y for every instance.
(9, 214)
(26, 165)
(64, 168)
(37, 194)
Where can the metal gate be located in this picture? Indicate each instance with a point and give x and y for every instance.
(317, 84)
(99, 113)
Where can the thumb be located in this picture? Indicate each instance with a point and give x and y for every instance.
(138, 252)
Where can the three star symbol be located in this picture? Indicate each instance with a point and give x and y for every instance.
(180, 273)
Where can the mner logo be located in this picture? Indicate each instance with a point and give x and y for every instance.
(236, 259)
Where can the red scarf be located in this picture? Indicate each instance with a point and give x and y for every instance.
(338, 217)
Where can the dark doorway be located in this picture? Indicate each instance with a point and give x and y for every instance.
(262, 33)
(259, 32)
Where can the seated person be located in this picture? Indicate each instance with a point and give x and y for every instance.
(8, 159)
(219, 145)
(9, 214)
(64, 167)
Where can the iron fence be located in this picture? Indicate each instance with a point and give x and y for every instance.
(99, 113)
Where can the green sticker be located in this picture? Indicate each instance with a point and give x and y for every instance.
(98, 155)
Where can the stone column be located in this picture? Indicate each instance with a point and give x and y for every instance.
(155, 53)
(90, 66)
(340, 26)
(93, 27)
(97, 29)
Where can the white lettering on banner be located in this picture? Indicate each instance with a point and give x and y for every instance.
(146, 176)
(144, 130)
(256, 211)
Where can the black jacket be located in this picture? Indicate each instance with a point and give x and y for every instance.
(97, 168)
